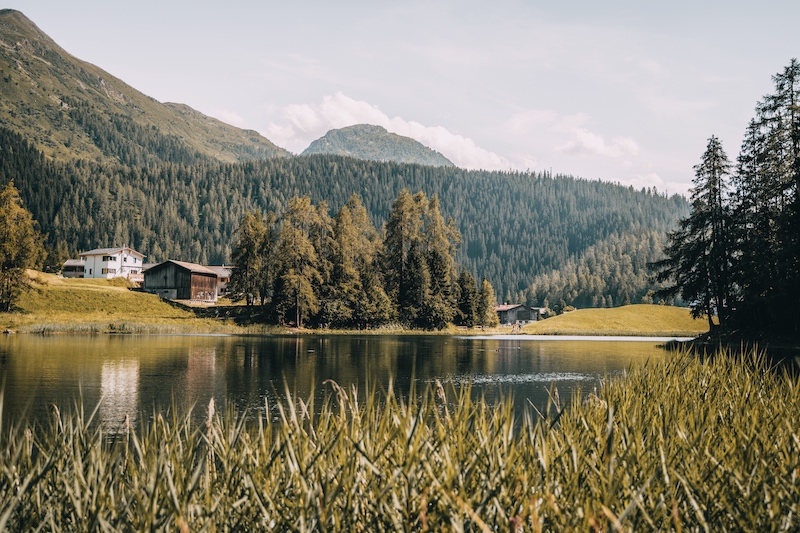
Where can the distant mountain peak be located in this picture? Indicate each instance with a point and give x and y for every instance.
(375, 143)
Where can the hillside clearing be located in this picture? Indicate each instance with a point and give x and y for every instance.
(638, 320)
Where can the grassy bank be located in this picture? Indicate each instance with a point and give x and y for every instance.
(637, 320)
(59, 305)
(679, 445)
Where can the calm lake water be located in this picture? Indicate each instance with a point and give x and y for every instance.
(131, 375)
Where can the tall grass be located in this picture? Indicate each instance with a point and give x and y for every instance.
(683, 444)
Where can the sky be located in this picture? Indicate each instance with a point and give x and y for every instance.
(622, 91)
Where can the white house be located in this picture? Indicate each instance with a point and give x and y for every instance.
(111, 262)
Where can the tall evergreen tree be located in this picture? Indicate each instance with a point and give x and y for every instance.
(248, 257)
(698, 261)
(403, 270)
(21, 245)
(440, 241)
(296, 294)
(767, 210)
(467, 299)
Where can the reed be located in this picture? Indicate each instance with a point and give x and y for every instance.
(685, 444)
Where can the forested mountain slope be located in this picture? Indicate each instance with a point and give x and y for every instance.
(364, 141)
(514, 226)
(72, 109)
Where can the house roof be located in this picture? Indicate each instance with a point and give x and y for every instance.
(192, 267)
(73, 263)
(222, 271)
(507, 307)
(110, 251)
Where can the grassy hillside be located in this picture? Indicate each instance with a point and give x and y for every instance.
(72, 109)
(56, 305)
(646, 320)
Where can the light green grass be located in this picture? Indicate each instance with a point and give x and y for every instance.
(637, 320)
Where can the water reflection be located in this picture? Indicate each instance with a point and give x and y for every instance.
(129, 375)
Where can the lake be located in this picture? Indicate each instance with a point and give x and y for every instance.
(133, 374)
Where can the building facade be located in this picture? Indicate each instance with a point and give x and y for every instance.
(104, 263)
(223, 278)
(177, 280)
(516, 314)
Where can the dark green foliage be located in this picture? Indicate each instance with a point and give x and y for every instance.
(467, 300)
(766, 206)
(698, 252)
(611, 273)
(514, 226)
(738, 254)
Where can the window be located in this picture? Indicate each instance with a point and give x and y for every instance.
(109, 271)
(109, 258)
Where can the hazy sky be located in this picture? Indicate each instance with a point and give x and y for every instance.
(621, 91)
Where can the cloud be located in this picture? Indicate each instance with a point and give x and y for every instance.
(230, 117)
(586, 143)
(297, 125)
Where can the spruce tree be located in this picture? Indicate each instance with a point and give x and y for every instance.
(698, 261)
(467, 299)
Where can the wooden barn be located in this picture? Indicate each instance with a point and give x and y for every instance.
(177, 280)
(516, 314)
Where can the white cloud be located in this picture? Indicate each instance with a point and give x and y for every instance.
(230, 117)
(298, 125)
(586, 143)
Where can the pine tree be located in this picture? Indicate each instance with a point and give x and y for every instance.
(21, 246)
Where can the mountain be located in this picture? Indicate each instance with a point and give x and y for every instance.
(374, 143)
(70, 109)
(100, 164)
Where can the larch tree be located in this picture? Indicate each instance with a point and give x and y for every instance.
(248, 257)
(487, 316)
(21, 246)
(298, 276)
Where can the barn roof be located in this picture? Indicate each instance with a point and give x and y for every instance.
(192, 267)
(507, 307)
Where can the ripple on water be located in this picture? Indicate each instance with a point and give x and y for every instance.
(546, 377)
